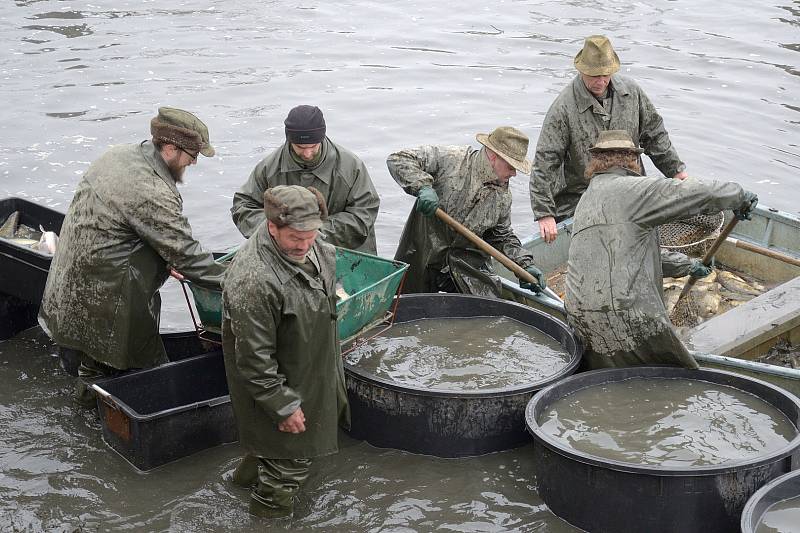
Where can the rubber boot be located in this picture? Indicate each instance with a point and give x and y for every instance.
(246, 474)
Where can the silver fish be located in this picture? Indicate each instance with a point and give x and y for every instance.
(9, 227)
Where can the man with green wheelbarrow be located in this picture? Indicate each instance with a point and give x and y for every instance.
(472, 187)
(123, 229)
(282, 356)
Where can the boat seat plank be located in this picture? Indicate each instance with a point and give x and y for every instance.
(750, 329)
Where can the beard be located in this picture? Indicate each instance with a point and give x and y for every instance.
(176, 170)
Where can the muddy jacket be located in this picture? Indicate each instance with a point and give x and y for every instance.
(342, 179)
(468, 192)
(615, 296)
(571, 127)
(282, 350)
(124, 226)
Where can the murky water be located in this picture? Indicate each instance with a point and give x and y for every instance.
(668, 422)
(79, 76)
(462, 354)
(782, 517)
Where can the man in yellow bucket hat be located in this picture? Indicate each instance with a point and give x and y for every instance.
(597, 99)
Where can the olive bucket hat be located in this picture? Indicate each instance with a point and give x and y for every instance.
(301, 208)
(614, 140)
(510, 144)
(181, 128)
(597, 58)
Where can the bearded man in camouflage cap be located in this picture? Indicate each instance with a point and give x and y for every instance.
(596, 100)
(282, 354)
(123, 232)
(472, 187)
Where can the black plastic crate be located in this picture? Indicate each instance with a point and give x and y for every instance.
(155, 416)
(23, 270)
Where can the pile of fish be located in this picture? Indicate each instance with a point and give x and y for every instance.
(40, 240)
(720, 291)
(782, 354)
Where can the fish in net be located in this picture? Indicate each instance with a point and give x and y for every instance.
(692, 236)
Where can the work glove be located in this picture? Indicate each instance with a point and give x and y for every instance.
(698, 270)
(743, 211)
(541, 281)
(427, 201)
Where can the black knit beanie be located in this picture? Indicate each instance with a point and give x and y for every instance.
(305, 125)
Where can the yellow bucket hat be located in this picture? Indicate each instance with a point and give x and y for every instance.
(597, 58)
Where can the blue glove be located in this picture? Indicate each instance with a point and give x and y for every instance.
(427, 201)
(541, 281)
(698, 269)
(743, 211)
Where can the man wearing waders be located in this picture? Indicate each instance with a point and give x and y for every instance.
(282, 356)
(596, 100)
(124, 228)
(615, 298)
(472, 187)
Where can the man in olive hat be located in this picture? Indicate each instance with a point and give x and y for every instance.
(472, 187)
(123, 232)
(310, 158)
(598, 99)
(282, 355)
(615, 297)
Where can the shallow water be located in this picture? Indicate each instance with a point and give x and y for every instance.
(668, 422)
(782, 517)
(462, 354)
(80, 76)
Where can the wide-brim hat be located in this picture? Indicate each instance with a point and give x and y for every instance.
(615, 140)
(510, 144)
(181, 128)
(597, 58)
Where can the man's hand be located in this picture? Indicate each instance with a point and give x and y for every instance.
(743, 211)
(175, 274)
(428, 201)
(294, 423)
(547, 227)
(682, 175)
(698, 270)
(541, 280)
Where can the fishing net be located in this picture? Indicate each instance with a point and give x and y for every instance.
(693, 235)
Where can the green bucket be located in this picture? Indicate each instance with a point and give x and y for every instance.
(370, 282)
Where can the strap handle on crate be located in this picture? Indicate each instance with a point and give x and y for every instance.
(198, 327)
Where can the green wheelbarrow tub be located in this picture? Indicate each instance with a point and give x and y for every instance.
(371, 283)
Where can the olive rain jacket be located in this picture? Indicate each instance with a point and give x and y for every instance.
(281, 349)
(615, 296)
(341, 177)
(124, 226)
(571, 127)
(468, 192)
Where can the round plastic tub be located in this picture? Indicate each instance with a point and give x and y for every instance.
(450, 423)
(779, 489)
(603, 495)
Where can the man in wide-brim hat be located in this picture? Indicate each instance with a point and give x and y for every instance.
(597, 99)
(615, 296)
(471, 185)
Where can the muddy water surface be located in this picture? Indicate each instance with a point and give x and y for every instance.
(462, 354)
(668, 422)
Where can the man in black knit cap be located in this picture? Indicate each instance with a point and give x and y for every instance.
(310, 159)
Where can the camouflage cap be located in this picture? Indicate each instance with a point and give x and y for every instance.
(597, 58)
(615, 140)
(510, 144)
(301, 208)
(181, 128)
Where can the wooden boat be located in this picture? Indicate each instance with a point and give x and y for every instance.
(733, 340)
